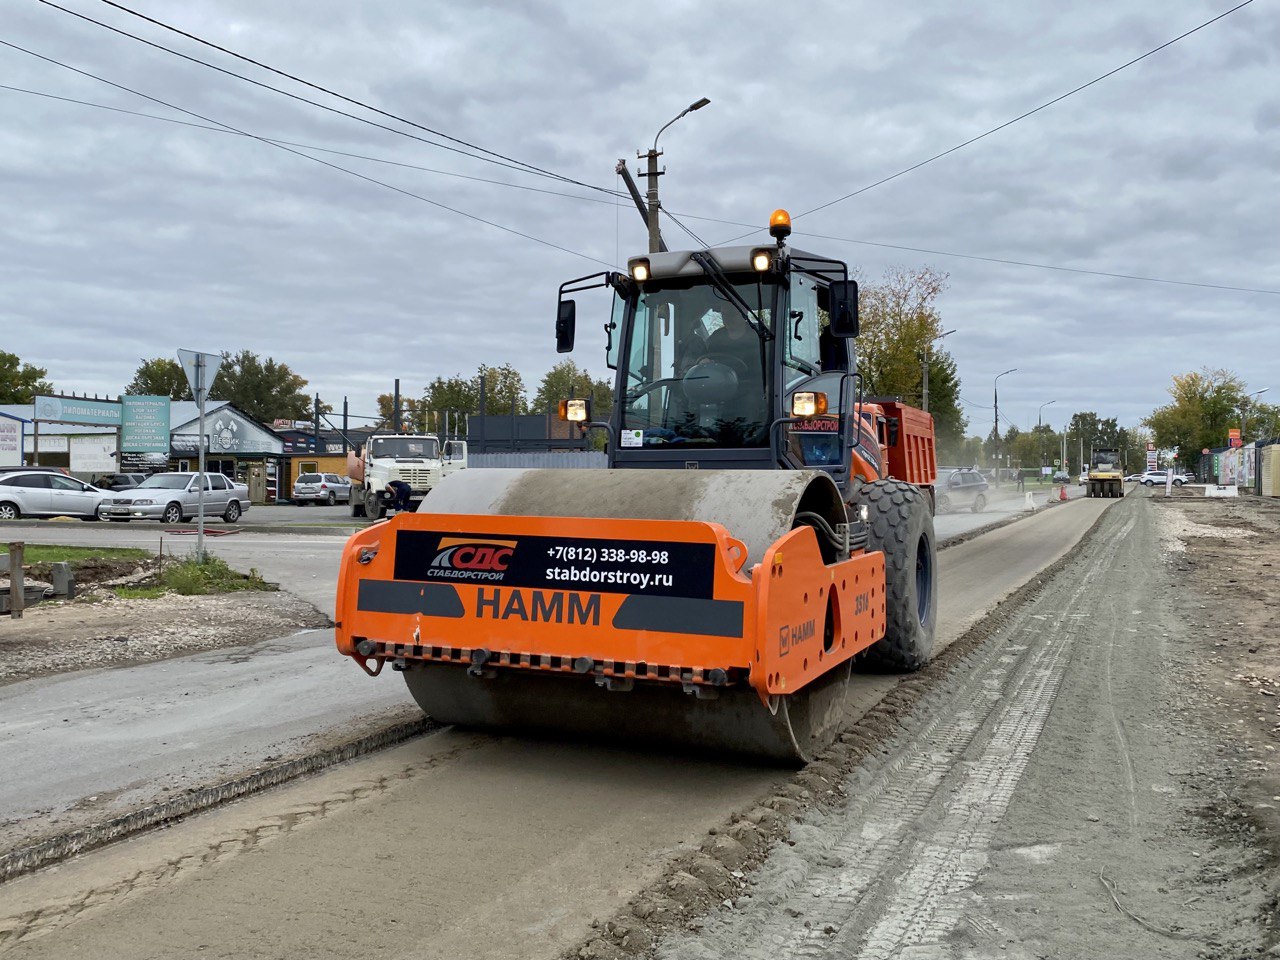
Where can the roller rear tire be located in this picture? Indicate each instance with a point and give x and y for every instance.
(902, 527)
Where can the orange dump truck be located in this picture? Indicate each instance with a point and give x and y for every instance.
(760, 528)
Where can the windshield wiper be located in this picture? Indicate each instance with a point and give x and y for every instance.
(727, 290)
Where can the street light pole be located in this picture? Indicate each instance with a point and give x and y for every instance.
(924, 362)
(655, 233)
(1244, 407)
(995, 406)
(1040, 431)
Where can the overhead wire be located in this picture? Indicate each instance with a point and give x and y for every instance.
(1022, 116)
(493, 158)
(670, 216)
(340, 96)
(673, 216)
(305, 146)
(676, 218)
(306, 156)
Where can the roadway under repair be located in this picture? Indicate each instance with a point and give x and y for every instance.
(1021, 794)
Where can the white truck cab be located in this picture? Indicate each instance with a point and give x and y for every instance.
(420, 460)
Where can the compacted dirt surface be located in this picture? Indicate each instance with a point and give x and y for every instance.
(1096, 776)
(100, 629)
(1088, 772)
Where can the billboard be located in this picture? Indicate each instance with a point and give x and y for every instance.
(1233, 437)
(104, 413)
(145, 426)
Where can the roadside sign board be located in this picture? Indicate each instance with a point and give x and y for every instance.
(1233, 437)
(145, 428)
(94, 454)
(1057, 463)
(1151, 456)
(75, 410)
(10, 442)
(201, 370)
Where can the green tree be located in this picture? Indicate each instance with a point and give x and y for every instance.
(414, 415)
(160, 377)
(265, 391)
(899, 321)
(504, 386)
(457, 393)
(949, 420)
(21, 382)
(1203, 407)
(565, 380)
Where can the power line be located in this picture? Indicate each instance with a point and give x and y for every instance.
(297, 153)
(1044, 266)
(340, 96)
(492, 157)
(304, 146)
(1005, 261)
(670, 216)
(1022, 116)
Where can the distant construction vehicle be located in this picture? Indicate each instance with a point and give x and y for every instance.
(415, 459)
(761, 526)
(1106, 477)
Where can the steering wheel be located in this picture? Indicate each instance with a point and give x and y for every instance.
(714, 378)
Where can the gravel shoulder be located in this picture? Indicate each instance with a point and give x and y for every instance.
(1089, 773)
(102, 630)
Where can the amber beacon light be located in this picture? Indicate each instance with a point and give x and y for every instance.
(780, 224)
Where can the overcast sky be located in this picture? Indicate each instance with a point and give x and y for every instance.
(123, 238)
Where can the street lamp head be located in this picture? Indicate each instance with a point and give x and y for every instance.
(696, 105)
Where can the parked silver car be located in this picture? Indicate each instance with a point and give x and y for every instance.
(321, 488)
(40, 493)
(175, 497)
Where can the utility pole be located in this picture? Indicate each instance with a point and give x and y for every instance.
(1040, 431)
(995, 405)
(655, 232)
(395, 408)
(1244, 411)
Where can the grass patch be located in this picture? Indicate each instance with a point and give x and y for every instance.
(46, 553)
(139, 593)
(193, 577)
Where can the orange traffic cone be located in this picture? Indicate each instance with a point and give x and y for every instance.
(1062, 493)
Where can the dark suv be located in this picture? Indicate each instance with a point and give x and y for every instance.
(957, 489)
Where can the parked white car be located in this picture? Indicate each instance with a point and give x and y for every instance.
(175, 497)
(41, 493)
(321, 488)
(1152, 477)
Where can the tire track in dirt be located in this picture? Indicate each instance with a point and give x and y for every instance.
(917, 834)
(24, 926)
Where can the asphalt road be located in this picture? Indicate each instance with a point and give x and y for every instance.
(299, 547)
(450, 845)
